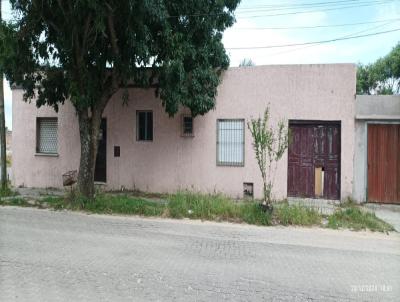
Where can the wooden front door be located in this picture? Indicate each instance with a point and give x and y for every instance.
(384, 163)
(314, 160)
(100, 172)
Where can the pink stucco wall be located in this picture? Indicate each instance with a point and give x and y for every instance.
(171, 162)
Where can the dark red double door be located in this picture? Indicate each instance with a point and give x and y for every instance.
(314, 148)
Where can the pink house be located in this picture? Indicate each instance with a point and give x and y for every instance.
(142, 148)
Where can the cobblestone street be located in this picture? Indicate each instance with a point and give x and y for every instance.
(64, 256)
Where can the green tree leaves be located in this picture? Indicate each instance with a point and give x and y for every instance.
(381, 77)
(82, 48)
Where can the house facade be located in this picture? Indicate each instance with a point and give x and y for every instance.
(143, 148)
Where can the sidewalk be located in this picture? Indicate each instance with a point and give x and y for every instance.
(387, 212)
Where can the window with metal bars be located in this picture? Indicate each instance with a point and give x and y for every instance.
(187, 126)
(46, 135)
(144, 125)
(230, 142)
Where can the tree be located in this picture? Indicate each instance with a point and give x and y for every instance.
(382, 76)
(365, 81)
(269, 145)
(246, 62)
(86, 50)
(3, 156)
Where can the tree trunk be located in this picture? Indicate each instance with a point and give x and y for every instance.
(89, 128)
(265, 193)
(3, 159)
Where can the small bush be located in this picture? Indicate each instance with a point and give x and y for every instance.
(6, 192)
(253, 214)
(296, 215)
(348, 203)
(356, 219)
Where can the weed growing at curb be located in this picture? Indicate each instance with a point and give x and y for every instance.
(356, 219)
(297, 215)
(213, 207)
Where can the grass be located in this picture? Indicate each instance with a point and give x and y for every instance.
(214, 207)
(104, 204)
(356, 219)
(15, 201)
(7, 192)
(56, 203)
(297, 215)
(124, 205)
(252, 213)
(201, 206)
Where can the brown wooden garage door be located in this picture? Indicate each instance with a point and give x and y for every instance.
(384, 163)
(314, 160)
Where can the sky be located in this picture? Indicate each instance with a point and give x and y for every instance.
(266, 23)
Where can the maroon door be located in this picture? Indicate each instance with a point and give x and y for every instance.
(314, 145)
(300, 168)
(384, 163)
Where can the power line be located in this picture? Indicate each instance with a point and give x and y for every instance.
(313, 45)
(321, 5)
(286, 13)
(314, 42)
(312, 11)
(297, 5)
(315, 26)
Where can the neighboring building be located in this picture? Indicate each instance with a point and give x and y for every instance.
(377, 149)
(142, 148)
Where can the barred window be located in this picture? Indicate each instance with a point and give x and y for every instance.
(187, 125)
(230, 142)
(46, 135)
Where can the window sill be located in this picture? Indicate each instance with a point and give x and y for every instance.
(230, 165)
(47, 154)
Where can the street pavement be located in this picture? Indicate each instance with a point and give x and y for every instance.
(62, 256)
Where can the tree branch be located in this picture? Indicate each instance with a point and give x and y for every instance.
(61, 7)
(86, 33)
(113, 35)
(115, 78)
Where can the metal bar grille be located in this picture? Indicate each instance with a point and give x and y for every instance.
(187, 126)
(230, 142)
(47, 141)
